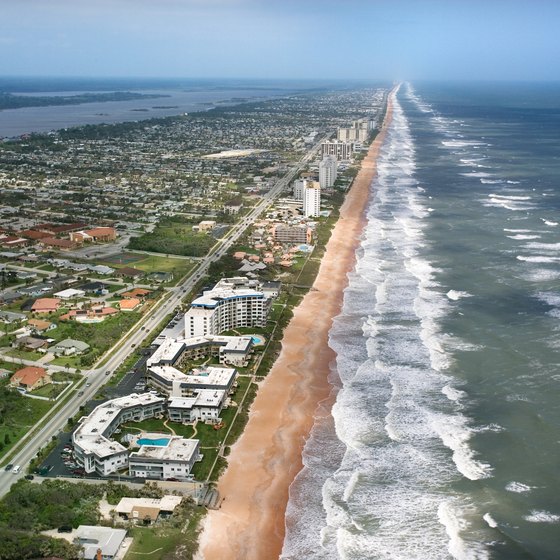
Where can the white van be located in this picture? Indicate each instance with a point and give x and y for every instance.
(16, 469)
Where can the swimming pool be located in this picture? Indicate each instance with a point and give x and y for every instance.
(257, 340)
(161, 442)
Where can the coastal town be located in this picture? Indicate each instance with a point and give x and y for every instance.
(147, 273)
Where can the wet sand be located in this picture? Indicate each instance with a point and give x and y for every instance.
(250, 524)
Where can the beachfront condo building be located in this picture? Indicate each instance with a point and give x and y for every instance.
(231, 303)
(298, 189)
(342, 151)
(93, 448)
(292, 234)
(166, 457)
(312, 199)
(358, 131)
(327, 172)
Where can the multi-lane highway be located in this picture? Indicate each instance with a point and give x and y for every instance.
(136, 336)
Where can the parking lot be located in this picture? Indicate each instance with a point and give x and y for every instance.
(59, 462)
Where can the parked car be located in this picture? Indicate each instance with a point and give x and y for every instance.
(29, 477)
(9, 467)
(16, 469)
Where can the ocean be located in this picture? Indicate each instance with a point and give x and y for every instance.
(444, 438)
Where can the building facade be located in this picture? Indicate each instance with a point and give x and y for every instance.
(174, 459)
(311, 199)
(340, 150)
(327, 172)
(231, 303)
(93, 449)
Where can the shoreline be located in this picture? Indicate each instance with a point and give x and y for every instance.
(267, 457)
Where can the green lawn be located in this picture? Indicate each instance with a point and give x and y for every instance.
(18, 414)
(50, 391)
(70, 361)
(148, 425)
(24, 355)
(100, 336)
(173, 238)
(201, 470)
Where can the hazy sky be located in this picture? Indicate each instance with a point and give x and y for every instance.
(397, 39)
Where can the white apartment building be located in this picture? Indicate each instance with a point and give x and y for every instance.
(327, 172)
(298, 189)
(312, 199)
(340, 150)
(358, 131)
(231, 303)
(93, 449)
(175, 383)
(231, 350)
(173, 459)
(204, 404)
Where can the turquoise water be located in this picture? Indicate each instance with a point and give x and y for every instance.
(161, 442)
(257, 340)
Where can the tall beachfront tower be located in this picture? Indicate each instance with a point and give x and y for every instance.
(298, 189)
(231, 303)
(311, 198)
(342, 151)
(327, 172)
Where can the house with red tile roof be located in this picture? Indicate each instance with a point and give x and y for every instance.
(30, 378)
(45, 305)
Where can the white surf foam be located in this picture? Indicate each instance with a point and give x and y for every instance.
(455, 524)
(518, 487)
(453, 394)
(549, 222)
(456, 295)
(537, 259)
(461, 143)
(537, 516)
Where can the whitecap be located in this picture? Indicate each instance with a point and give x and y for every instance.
(549, 223)
(455, 524)
(509, 197)
(520, 237)
(490, 520)
(461, 143)
(456, 295)
(518, 487)
(453, 394)
(538, 259)
(537, 516)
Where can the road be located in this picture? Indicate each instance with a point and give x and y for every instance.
(136, 336)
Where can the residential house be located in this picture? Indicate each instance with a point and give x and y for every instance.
(45, 305)
(69, 347)
(161, 277)
(38, 326)
(30, 378)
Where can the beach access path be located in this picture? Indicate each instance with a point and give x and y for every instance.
(263, 463)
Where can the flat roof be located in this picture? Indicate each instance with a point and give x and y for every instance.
(203, 397)
(171, 349)
(178, 449)
(165, 503)
(213, 297)
(208, 376)
(90, 434)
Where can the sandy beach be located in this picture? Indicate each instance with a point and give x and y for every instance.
(250, 524)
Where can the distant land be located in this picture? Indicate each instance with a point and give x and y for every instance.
(11, 101)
